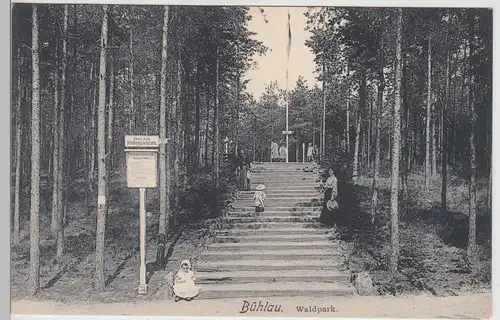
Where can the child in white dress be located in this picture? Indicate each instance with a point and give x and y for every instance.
(259, 197)
(184, 287)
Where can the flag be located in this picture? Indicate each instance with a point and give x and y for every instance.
(288, 45)
(289, 34)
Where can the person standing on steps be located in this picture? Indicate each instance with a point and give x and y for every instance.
(245, 165)
(259, 197)
(282, 151)
(275, 153)
(330, 205)
(310, 152)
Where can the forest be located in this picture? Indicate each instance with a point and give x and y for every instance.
(402, 107)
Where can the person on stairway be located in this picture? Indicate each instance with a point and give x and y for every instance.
(310, 152)
(259, 197)
(330, 206)
(244, 164)
(184, 287)
(283, 151)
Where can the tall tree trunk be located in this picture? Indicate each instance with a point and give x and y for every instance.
(61, 178)
(16, 231)
(490, 195)
(216, 125)
(347, 125)
(237, 125)
(427, 172)
(471, 246)
(111, 117)
(434, 147)
(73, 158)
(380, 98)
(164, 170)
(197, 120)
(185, 132)
(404, 126)
(101, 140)
(93, 131)
(177, 136)
(55, 162)
(356, 148)
(323, 123)
(389, 152)
(207, 125)
(444, 142)
(395, 153)
(362, 97)
(89, 146)
(34, 273)
(131, 126)
(369, 142)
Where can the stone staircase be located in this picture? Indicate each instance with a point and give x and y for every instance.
(282, 252)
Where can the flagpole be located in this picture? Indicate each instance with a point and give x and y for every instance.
(286, 79)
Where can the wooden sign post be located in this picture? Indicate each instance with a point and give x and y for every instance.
(142, 173)
(287, 133)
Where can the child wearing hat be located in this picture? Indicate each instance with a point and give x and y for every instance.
(184, 287)
(259, 196)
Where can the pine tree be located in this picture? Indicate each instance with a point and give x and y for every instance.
(34, 274)
(101, 150)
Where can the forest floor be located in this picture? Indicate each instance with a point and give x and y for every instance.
(71, 279)
(432, 260)
(432, 252)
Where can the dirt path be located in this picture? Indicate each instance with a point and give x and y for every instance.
(472, 305)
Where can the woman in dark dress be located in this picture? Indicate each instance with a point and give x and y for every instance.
(327, 216)
(244, 165)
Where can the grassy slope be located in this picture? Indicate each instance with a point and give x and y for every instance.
(432, 253)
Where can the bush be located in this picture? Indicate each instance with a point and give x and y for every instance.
(340, 160)
(199, 199)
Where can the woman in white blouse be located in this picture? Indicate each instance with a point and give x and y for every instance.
(327, 217)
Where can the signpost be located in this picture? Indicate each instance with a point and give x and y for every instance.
(142, 173)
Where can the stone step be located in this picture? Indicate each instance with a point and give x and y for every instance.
(257, 264)
(284, 164)
(215, 295)
(271, 204)
(240, 206)
(302, 199)
(286, 185)
(219, 257)
(297, 168)
(292, 251)
(284, 173)
(274, 195)
(272, 245)
(320, 242)
(269, 218)
(296, 182)
(222, 254)
(248, 209)
(284, 192)
(269, 277)
(263, 289)
(267, 237)
(270, 225)
(271, 213)
(297, 231)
